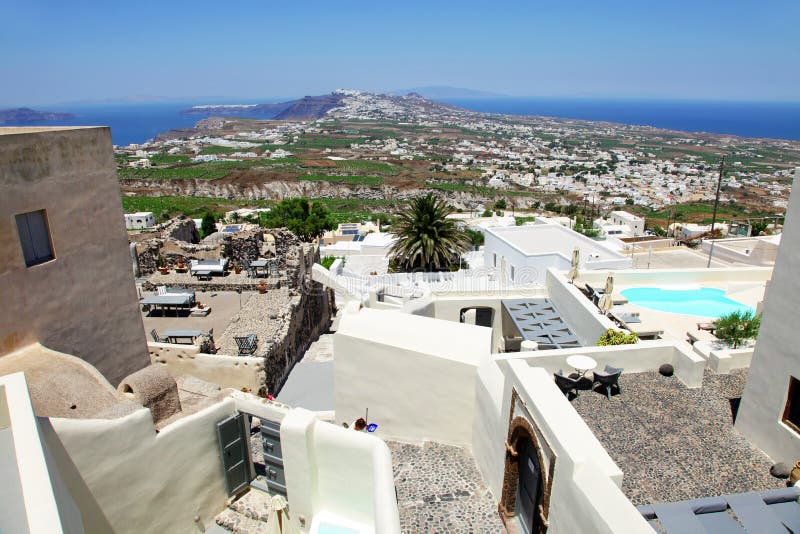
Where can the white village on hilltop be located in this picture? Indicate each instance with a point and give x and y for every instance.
(257, 382)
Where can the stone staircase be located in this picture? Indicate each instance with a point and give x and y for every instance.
(247, 514)
(320, 350)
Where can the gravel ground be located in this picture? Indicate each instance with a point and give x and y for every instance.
(263, 315)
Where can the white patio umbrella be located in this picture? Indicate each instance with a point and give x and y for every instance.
(607, 300)
(278, 521)
(573, 270)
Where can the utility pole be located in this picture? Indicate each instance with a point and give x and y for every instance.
(716, 204)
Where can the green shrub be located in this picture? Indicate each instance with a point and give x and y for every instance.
(327, 261)
(617, 337)
(737, 327)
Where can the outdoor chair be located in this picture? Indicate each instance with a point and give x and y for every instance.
(157, 338)
(566, 384)
(247, 344)
(161, 290)
(608, 378)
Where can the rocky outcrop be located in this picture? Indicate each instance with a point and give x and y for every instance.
(20, 116)
(280, 189)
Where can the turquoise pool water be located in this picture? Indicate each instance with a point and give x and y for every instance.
(705, 301)
(328, 528)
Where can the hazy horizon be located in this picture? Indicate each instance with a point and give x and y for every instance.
(58, 53)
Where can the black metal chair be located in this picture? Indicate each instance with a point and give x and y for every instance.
(247, 344)
(566, 384)
(608, 378)
(157, 338)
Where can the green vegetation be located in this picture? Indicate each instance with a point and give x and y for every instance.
(522, 220)
(617, 337)
(327, 261)
(426, 238)
(209, 225)
(476, 238)
(211, 170)
(737, 327)
(354, 180)
(368, 167)
(215, 149)
(500, 204)
(168, 159)
(194, 207)
(327, 142)
(307, 220)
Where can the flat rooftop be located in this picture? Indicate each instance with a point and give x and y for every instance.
(674, 443)
(550, 238)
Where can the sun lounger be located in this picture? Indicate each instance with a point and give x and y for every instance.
(208, 267)
(699, 335)
(753, 513)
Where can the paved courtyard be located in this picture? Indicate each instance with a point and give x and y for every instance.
(224, 306)
(675, 443)
(439, 489)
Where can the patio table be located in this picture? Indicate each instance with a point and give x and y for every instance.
(164, 302)
(174, 335)
(581, 363)
(259, 264)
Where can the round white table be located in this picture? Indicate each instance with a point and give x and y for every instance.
(581, 363)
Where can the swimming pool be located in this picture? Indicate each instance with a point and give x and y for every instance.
(704, 301)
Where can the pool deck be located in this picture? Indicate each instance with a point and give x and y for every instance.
(675, 325)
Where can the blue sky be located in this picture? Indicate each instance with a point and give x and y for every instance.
(55, 51)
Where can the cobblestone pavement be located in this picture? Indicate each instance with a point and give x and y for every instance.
(439, 489)
(675, 443)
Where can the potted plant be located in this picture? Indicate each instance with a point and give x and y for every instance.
(162, 265)
(262, 287)
(181, 267)
(237, 269)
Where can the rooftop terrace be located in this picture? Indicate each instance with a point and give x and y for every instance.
(675, 443)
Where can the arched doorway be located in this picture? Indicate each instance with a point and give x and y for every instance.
(526, 482)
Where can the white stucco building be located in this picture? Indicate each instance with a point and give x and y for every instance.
(139, 220)
(634, 223)
(524, 253)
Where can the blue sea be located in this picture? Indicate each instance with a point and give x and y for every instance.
(778, 120)
(136, 123)
(130, 123)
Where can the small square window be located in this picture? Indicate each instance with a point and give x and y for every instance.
(34, 236)
(791, 413)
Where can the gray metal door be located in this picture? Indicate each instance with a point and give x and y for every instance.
(529, 486)
(273, 456)
(232, 434)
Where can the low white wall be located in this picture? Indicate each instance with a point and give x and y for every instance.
(33, 496)
(578, 311)
(235, 372)
(125, 477)
(724, 361)
(586, 495)
(337, 470)
(416, 375)
(636, 358)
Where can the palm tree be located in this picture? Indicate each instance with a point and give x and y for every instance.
(426, 238)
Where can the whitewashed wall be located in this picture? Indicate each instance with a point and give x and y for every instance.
(235, 372)
(776, 358)
(416, 375)
(125, 477)
(338, 471)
